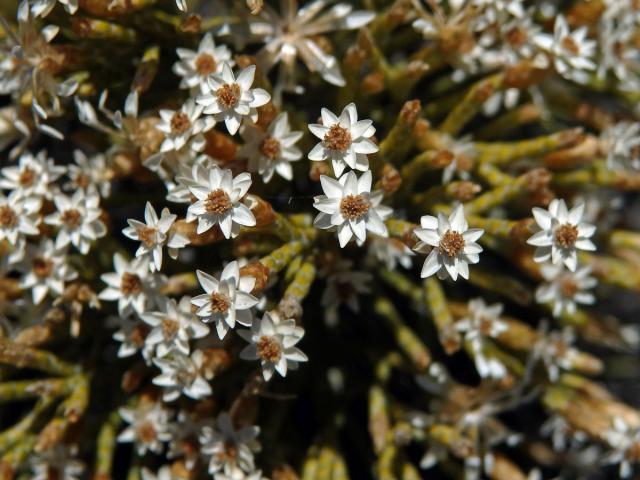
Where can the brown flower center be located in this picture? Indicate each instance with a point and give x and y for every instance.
(8, 218)
(147, 235)
(270, 148)
(570, 45)
(228, 95)
(138, 335)
(451, 244)
(269, 349)
(72, 218)
(146, 432)
(130, 284)
(566, 235)
(83, 180)
(354, 206)
(42, 267)
(337, 138)
(218, 202)
(170, 328)
(180, 123)
(230, 452)
(568, 286)
(219, 303)
(517, 36)
(205, 64)
(27, 177)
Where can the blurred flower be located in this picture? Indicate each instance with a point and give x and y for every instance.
(566, 289)
(195, 66)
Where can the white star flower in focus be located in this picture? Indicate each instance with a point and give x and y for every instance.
(345, 140)
(273, 343)
(227, 300)
(219, 201)
(561, 234)
(453, 244)
(231, 99)
(350, 207)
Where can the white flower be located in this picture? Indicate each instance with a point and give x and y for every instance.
(154, 234)
(182, 374)
(624, 439)
(148, 427)
(453, 244)
(182, 125)
(572, 53)
(273, 343)
(194, 67)
(294, 33)
(89, 173)
(131, 333)
(566, 289)
(132, 285)
(78, 220)
(350, 207)
(621, 143)
(231, 99)
(231, 450)
(33, 176)
(227, 300)
(46, 270)
(173, 326)
(273, 150)
(18, 217)
(561, 233)
(59, 462)
(556, 351)
(219, 201)
(344, 140)
(42, 8)
(481, 322)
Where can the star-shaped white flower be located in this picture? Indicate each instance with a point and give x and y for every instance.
(154, 234)
(231, 99)
(227, 300)
(561, 234)
(345, 140)
(219, 201)
(350, 207)
(45, 270)
(453, 244)
(181, 126)
(195, 66)
(182, 374)
(273, 343)
(18, 217)
(566, 289)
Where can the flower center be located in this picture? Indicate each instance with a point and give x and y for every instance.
(138, 335)
(8, 218)
(570, 45)
(228, 95)
(42, 267)
(353, 207)
(27, 177)
(72, 218)
(517, 36)
(180, 123)
(230, 452)
(205, 64)
(486, 325)
(146, 432)
(147, 235)
(130, 284)
(568, 286)
(270, 148)
(566, 235)
(218, 202)
(83, 180)
(451, 244)
(269, 349)
(337, 138)
(170, 328)
(219, 303)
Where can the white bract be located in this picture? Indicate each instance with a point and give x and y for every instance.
(561, 234)
(227, 300)
(273, 150)
(453, 244)
(219, 201)
(231, 99)
(350, 207)
(273, 343)
(345, 140)
(154, 234)
(77, 219)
